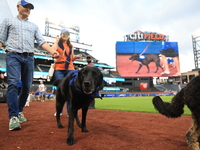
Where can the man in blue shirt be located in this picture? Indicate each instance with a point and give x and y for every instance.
(18, 36)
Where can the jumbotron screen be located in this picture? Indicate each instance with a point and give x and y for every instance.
(147, 59)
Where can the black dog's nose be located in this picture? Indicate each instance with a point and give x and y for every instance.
(87, 83)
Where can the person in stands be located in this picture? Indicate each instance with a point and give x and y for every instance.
(89, 60)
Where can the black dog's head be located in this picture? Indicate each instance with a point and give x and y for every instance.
(134, 57)
(89, 79)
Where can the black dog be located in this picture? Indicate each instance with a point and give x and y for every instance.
(79, 90)
(190, 96)
(147, 59)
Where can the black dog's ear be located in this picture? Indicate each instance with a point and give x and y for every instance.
(102, 82)
(102, 85)
(78, 80)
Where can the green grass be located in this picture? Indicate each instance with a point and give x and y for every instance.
(135, 104)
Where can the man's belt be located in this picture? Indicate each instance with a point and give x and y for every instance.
(22, 54)
(60, 62)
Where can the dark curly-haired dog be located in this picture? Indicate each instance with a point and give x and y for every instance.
(190, 96)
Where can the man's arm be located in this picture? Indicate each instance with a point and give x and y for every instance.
(4, 28)
(49, 49)
(41, 42)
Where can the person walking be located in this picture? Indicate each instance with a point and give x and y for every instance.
(42, 91)
(18, 35)
(179, 86)
(64, 64)
(2, 83)
(169, 49)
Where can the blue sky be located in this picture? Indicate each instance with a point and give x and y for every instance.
(103, 22)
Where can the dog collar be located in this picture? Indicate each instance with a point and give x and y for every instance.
(94, 95)
(74, 76)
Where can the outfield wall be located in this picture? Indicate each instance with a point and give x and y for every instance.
(137, 94)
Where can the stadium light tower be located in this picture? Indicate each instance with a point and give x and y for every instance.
(75, 30)
(196, 50)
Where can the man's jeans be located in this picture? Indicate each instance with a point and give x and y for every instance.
(17, 67)
(59, 74)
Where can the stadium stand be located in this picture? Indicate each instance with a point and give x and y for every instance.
(168, 87)
(160, 88)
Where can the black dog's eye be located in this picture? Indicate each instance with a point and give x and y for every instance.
(95, 75)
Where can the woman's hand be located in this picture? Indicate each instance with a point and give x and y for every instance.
(57, 38)
(78, 56)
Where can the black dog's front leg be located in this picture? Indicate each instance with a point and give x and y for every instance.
(148, 68)
(140, 66)
(59, 106)
(72, 114)
(84, 114)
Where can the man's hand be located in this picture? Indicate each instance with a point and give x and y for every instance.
(51, 50)
(55, 54)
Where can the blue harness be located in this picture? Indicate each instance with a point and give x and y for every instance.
(94, 95)
(142, 57)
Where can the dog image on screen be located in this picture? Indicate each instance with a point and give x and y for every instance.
(79, 89)
(145, 60)
(190, 96)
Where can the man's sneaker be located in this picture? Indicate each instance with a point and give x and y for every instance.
(21, 117)
(14, 124)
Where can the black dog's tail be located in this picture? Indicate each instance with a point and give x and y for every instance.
(173, 109)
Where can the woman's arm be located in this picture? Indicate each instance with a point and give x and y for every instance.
(55, 44)
(76, 56)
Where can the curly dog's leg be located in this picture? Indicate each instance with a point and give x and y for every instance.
(192, 135)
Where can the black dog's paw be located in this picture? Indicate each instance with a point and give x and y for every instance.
(136, 72)
(70, 141)
(60, 126)
(85, 130)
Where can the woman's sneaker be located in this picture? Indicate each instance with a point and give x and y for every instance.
(14, 124)
(21, 117)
